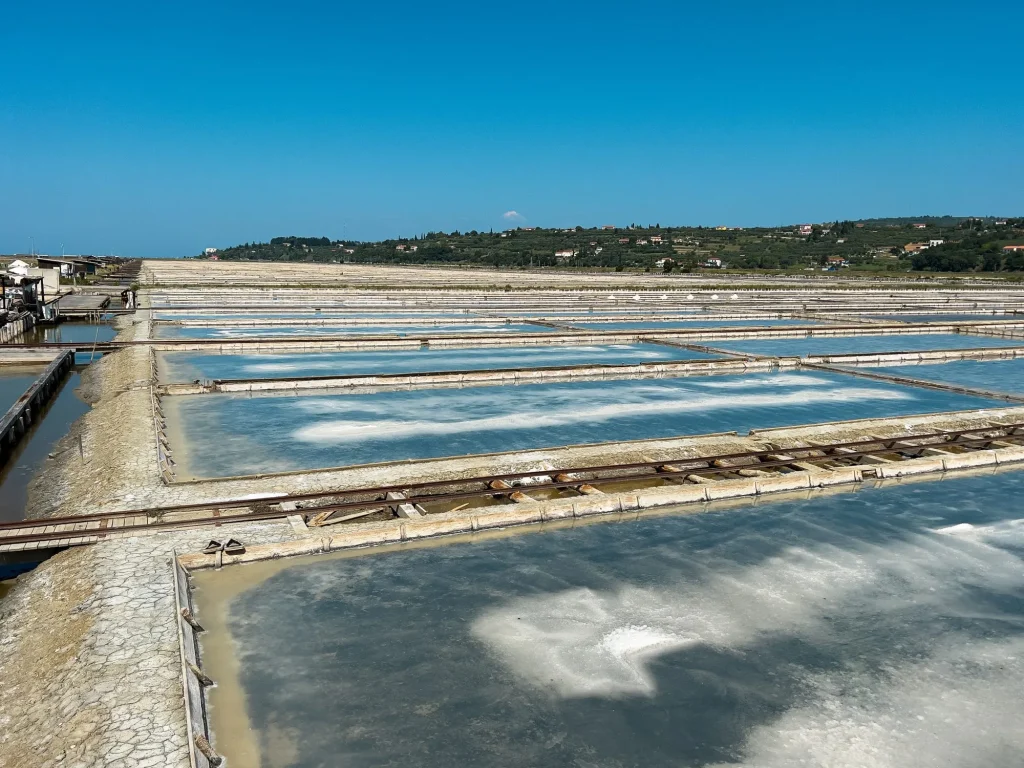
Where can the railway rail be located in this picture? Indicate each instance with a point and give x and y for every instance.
(338, 507)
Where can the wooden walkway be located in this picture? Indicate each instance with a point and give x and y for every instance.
(972, 447)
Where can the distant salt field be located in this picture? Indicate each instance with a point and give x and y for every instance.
(331, 314)
(879, 628)
(845, 345)
(661, 325)
(946, 318)
(994, 375)
(188, 366)
(287, 331)
(220, 434)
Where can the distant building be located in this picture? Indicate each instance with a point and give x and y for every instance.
(837, 261)
(933, 243)
(210, 251)
(598, 249)
(608, 226)
(920, 226)
(656, 238)
(624, 241)
(660, 263)
(400, 247)
(915, 247)
(18, 267)
(214, 257)
(1013, 248)
(714, 263)
(565, 255)
(641, 241)
(1001, 223)
(721, 229)
(806, 229)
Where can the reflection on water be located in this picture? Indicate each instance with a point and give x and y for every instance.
(14, 380)
(29, 456)
(188, 366)
(222, 434)
(843, 345)
(994, 375)
(943, 318)
(72, 332)
(882, 628)
(286, 331)
(309, 315)
(662, 325)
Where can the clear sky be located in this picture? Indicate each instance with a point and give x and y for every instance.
(160, 129)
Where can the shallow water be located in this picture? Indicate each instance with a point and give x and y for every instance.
(286, 331)
(14, 380)
(72, 332)
(993, 375)
(226, 434)
(882, 628)
(629, 325)
(943, 318)
(188, 366)
(842, 345)
(31, 452)
(339, 313)
(597, 313)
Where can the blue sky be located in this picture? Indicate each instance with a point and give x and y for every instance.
(159, 131)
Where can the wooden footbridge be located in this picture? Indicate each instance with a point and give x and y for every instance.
(948, 449)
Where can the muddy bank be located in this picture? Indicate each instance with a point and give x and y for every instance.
(110, 452)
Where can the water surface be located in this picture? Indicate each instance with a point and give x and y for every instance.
(847, 345)
(188, 366)
(994, 375)
(227, 434)
(661, 325)
(72, 332)
(161, 331)
(14, 380)
(883, 628)
(944, 318)
(29, 456)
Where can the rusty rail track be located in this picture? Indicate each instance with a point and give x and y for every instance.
(321, 506)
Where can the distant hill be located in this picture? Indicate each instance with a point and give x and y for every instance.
(897, 244)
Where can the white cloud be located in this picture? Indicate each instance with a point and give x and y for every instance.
(513, 216)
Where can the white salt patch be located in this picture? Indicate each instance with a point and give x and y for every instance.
(958, 528)
(959, 707)
(782, 380)
(625, 642)
(583, 642)
(445, 419)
